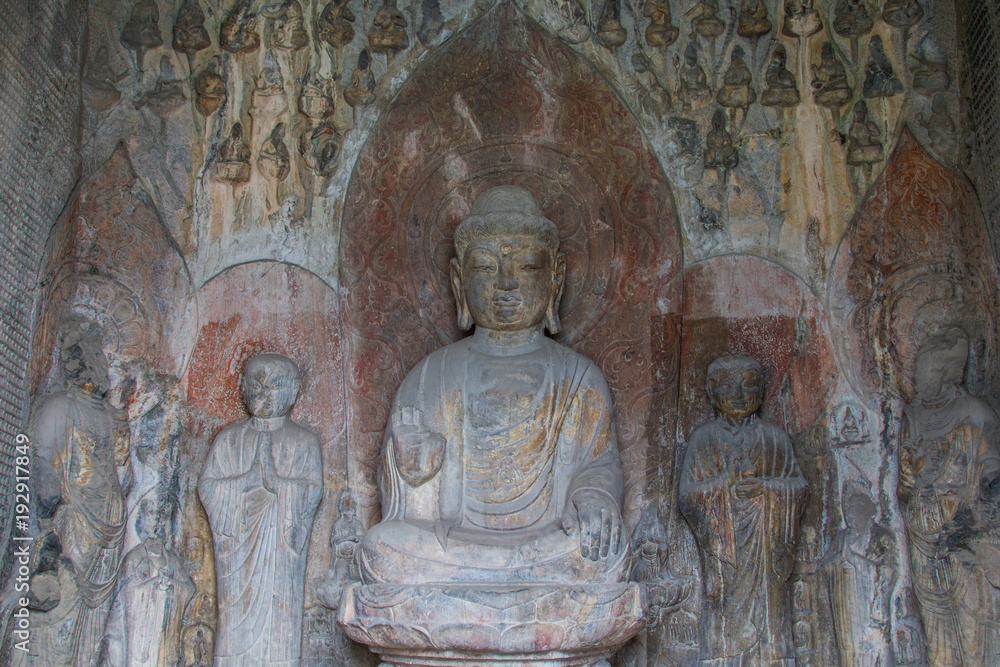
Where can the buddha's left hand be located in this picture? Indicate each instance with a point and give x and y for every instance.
(599, 521)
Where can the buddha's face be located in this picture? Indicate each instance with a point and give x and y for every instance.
(269, 391)
(940, 363)
(736, 392)
(508, 282)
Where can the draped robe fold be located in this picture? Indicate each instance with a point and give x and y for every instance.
(525, 432)
(746, 545)
(261, 540)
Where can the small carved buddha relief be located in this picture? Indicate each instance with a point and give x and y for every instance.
(863, 145)
(693, 90)
(829, 82)
(99, 90)
(431, 21)
(753, 22)
(336, 24)
(269, 94)
(610, 31)
(239, 31)
(320, 148)
(143, 28)
(720, 153)
(233, 163)
(880, 79)
(274, 160)
(389, 32)
(902, 13)
(210, 89)
(286, 29)
(361, 90)
(801, 19)
(660, 33)
(851, 19)
(737, 84)
(190, 35)
(167, 97)
(705, 19)
(315, 99)
(782, 91)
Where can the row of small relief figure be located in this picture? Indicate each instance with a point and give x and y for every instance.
(744, 516)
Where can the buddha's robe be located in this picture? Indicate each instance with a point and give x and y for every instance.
(524, 433)
(261, 539)
(948, 454)
(746, 545)
(75, 434)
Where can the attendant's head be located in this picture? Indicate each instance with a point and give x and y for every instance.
(941, 361)
(736, 387)
(82, 357)
(508, 273)
(270, 385)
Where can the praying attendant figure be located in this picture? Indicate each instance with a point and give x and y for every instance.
(742, 493)
(260, 487)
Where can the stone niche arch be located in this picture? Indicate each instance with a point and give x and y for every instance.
(507, 103)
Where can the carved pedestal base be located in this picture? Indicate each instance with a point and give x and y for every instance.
(500, 626)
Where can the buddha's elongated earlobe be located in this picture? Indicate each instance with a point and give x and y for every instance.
(552, 309)
(458, 289)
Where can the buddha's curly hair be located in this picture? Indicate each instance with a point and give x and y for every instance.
(506, 210)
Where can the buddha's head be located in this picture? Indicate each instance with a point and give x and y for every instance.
(508, 273)
(735, 386)
(941, 361)
(82, 357)
(270, 385)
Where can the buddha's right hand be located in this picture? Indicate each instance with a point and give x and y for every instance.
(418, 451)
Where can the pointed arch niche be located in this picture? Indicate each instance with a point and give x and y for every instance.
(507, 103)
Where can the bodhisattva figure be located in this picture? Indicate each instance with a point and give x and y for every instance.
(693, 89)
(233, 163)
(260, 487)
(948, 460)
(880, 79)
(501, 459)
(144, 628)
(81, 473)
(863, 145)
(737, 93)
(720, 153)
(742, 493)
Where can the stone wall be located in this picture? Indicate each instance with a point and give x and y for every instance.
(39, 163)
(779, 179)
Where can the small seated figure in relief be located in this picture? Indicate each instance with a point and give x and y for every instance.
(274, 160)
(260, 487)
(705, 19)
(660, 33)
(233, 162)
(830, 87)
(361, 91)
(431, 21)
(860, 566)
(286, 27)
(693, 90)
(500, 462)
(719, 150)
(209, 89)
(610, 31)
(753, 22)
(315, 100)
(336, 24)
(940, 127)
(269, 94)
(239, 30)
(742, 493)
(190, 35)
(654, 98)
(319, 147)
(929, 76)
(143, 28)
(863, 145)
(801, 19)
(81, 473)
(851, 19)
(782, 91)
(949, 465)
(737, 84)
(389, 32)
(154, 588)
(902, 13)
(99, 89)
(880, 79)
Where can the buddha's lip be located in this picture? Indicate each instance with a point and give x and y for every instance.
(507, 300)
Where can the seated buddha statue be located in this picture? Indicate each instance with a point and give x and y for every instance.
(500, 460)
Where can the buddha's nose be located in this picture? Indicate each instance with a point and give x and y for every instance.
(506, 279)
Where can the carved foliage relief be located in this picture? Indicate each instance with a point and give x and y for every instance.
(506, 103)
